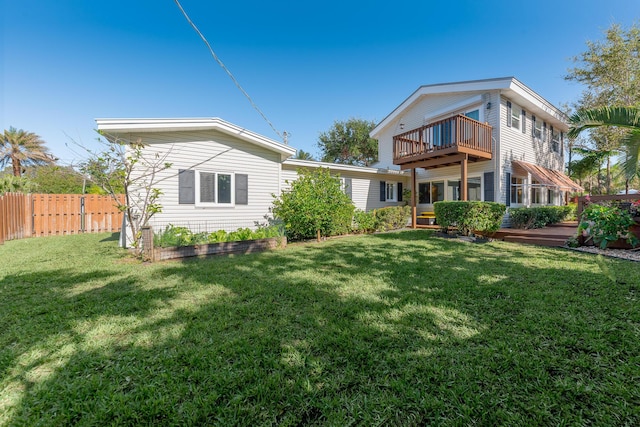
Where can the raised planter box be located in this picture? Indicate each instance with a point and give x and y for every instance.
(241, 247)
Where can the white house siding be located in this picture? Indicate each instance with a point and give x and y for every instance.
(516, 145)
(212, 151)
(365, 184)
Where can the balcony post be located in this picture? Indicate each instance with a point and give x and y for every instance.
(413, 198)
(463, 178)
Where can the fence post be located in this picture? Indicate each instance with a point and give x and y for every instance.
(147, 243)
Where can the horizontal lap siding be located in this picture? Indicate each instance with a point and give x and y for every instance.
(213, 152)
(365, 187)
(516, 145)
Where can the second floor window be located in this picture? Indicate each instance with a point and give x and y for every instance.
(555, 140)
(537, 128)
(516, 116)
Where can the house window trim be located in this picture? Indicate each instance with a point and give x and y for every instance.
(522, 185)
(394, 188)
(215, 204)
(512, 109)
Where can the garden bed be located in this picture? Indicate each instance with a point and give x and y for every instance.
(223, 248)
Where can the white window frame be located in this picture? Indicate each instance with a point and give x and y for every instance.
(515, 108)
(555, 141)
(536, 193)
(391, 191)
(537, 129)
(521, 185)
(481, 188)
(215, 204)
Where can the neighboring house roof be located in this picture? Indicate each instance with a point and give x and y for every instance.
(344, 168)
(119, 126)
(510, 87)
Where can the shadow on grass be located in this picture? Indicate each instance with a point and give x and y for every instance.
(113, 238)
(396, 329)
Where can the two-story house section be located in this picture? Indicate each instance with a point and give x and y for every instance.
(490, 140)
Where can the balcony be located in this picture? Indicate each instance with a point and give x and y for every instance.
(443, 143)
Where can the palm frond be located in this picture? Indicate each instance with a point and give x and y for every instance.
(631, 162)
(626, 117)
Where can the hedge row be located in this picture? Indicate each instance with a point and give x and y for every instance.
(540, 216)
(476, 217)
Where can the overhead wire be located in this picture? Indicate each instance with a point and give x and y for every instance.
(235, 81)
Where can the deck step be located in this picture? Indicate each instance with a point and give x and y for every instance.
(536, 240)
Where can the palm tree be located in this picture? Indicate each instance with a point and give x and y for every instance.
(22, 149)
(622, 117)
(303, 155)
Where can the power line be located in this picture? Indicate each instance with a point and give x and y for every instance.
(206, 42)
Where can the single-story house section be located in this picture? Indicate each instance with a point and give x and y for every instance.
(369, 188)
(223, 176)
(491, 140)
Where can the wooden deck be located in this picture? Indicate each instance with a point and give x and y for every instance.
(553, 235)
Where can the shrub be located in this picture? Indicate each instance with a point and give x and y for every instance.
(606, 224)
(182, 236)
(364, 222)
(392, 217)
(477, 217)
(540, 216)
(315, 206)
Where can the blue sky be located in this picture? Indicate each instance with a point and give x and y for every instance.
(305, 64)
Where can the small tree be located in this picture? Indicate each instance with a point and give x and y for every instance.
(316, 205)
(123, 167)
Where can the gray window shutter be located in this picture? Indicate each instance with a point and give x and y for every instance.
(524, 122)
(347, 187)
(186, 187)
(544, 131)
(508, 195)
(509, 113)
(242, 189)
(383, 191)
(488, 187)
(399, 191)
(533, 126)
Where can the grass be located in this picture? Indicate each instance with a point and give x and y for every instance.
(390, 329)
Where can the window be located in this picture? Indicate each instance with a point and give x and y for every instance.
(551, 196)
(214, 189)
(537, 128)
(424, 192)
(391, 192)
(474, 189)
(437, 191)
(555, 140)
(514, 115)
(475, 114)
(536, 193)
(517, 194)
(453, 190)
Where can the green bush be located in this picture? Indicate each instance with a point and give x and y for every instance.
(182, 236)
(392, 217)
(540, 216)
(364, 222)
(315, 205)
(477, 217)
(606, 224)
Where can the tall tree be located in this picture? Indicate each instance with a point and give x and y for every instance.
(22, 149)
(610, 71)
(348, 142)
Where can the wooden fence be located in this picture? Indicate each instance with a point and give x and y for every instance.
(595, 199)
(36, 215)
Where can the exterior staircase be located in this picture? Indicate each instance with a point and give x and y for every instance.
(553, 235)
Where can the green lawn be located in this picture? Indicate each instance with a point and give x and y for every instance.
(391, 329)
